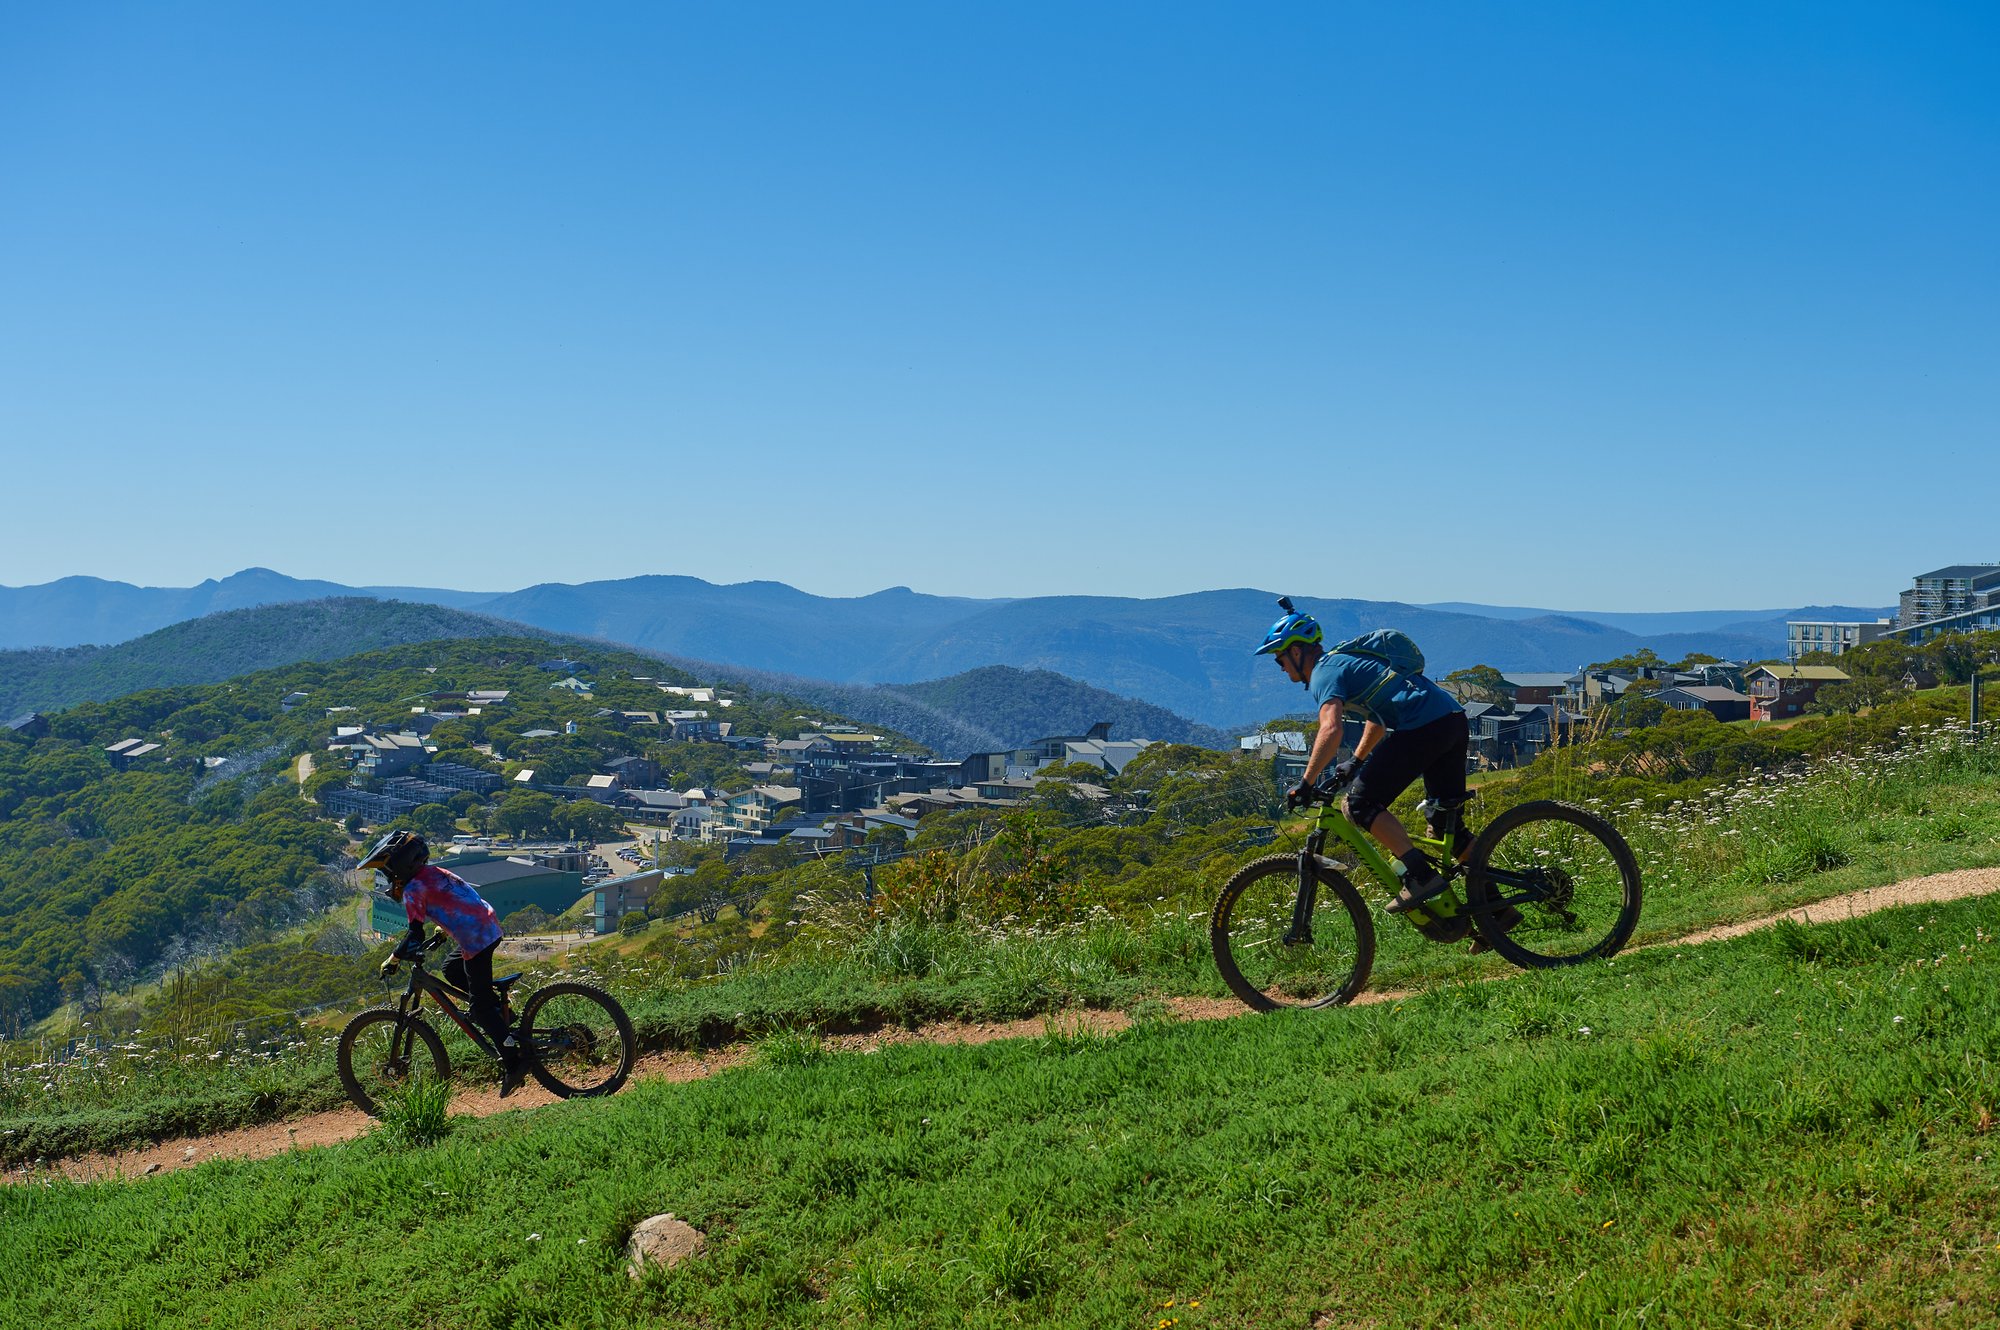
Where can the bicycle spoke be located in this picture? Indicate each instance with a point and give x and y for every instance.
(580, 1039)
(1569, 876)
(1275, 949)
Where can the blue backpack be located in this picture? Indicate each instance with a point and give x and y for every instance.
(1392, 648)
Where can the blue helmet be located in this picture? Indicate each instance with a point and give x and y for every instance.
(1294, 628)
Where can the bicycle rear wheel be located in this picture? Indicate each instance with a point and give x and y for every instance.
(1569, 873)
(381, 1051)
(580, 1039)
(1261, 957)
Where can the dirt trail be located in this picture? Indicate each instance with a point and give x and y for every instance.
(345, 1124)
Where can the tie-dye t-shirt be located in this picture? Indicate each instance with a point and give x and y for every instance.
(439, 896)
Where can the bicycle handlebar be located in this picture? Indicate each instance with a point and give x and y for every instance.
(1325, 790)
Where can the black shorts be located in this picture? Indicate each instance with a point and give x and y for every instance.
(1435, 751)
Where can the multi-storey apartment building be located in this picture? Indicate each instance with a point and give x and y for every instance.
(1803, 635)
(1948, 591)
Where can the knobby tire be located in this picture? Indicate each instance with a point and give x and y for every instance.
(377, 1049)
(1567, 854)
(1249, 924)
(574, 1059)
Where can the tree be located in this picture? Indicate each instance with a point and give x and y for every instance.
(522, 814)
(1694, 660)
(1954, 656)
(1482, 683)
(527, 919)
(1636, 708)
(586, 819)
(635, 921)
(1645, 658)
(431, 821)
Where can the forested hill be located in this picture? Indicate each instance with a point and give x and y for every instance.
(994, 707)
(222, 646)
(74, 611)
(981, 710)
(207, 841)
(1036, 703)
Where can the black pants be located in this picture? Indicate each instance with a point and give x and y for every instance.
(474, 974)
(1435, 751)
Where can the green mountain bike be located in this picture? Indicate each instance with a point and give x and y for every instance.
(1292, 930)
(579, 1040)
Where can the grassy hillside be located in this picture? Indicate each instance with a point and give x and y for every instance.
(222, 646)
(1786, 1130)
(1046, 919)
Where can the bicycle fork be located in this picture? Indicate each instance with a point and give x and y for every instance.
(1300, 934)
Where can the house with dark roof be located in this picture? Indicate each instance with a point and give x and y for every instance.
(389, 754)
(655, 806)
(1721, 703)
(34, 725)
(634, 773)
(1531, 687)
(1497, 737)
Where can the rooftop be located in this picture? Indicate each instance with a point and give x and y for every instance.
(1961, 570)
(1821, 673)
(1709, 693)
(1535, 679)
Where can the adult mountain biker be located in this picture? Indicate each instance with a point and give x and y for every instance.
(429, 894)
(1411, 728)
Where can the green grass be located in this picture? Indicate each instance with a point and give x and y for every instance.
(1746, 850)
(420, 1114)
(1790, 1129)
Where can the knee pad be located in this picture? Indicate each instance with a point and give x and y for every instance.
(1363, 807)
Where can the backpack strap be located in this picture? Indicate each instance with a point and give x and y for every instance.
(1367, 699)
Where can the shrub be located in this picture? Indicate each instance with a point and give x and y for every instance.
(791, 1046)
(421, 1114)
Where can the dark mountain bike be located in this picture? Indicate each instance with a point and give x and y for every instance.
(578, 1039)
(1291, 930)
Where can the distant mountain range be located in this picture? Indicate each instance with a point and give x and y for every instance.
(1190, 654)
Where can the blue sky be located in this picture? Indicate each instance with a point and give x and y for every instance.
(1589, 306)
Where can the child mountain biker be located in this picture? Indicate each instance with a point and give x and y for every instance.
(1411, 728)
(430, 894)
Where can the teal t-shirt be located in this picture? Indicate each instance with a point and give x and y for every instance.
(1405, 704)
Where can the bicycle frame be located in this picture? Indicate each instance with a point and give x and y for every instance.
(1331, 819)
(422, 981)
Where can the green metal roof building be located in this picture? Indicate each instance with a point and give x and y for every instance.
(506, 884)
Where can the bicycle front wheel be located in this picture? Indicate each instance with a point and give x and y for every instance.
(1268, 959)
(1568, 872)
(381, 1051)
(580, 1039)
